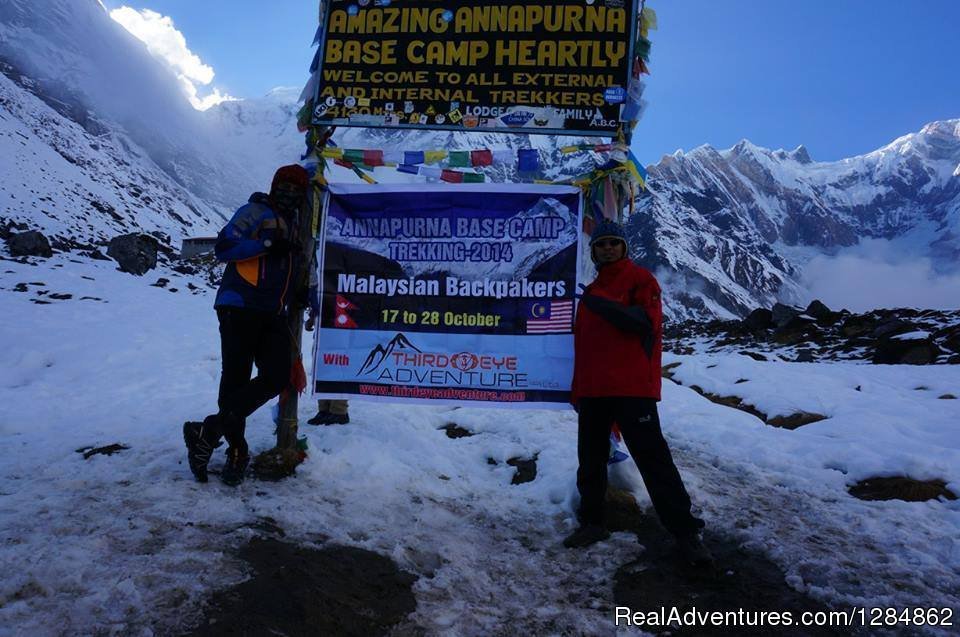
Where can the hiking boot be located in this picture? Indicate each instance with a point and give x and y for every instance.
(585, 536)
(235, 468)
(693, 551)
(335, 419)
(201, 439)
(319, 418)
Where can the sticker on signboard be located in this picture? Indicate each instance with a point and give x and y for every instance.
(424, 118)
(320, 110)
(408, 107)
(615, 95)
(440, 118)
(388, 106)
(455, 115)
(363, 101)
(331, 101)
(431, 110)
(349, 101)
(372, 120)
(516, 119)
(471, 121)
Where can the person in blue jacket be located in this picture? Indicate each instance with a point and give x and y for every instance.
(264, 262)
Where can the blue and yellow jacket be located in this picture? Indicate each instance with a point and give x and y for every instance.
(254, 278)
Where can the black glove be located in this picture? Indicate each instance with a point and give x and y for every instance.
(627, 318)
(278, 246)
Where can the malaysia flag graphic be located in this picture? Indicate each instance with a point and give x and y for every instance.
(550, 317)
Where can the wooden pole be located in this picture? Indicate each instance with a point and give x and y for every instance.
(307, 225)
(287, 423)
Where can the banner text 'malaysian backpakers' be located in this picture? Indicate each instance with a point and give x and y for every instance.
(523, 288)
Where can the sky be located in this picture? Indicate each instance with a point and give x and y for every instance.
(841, 78)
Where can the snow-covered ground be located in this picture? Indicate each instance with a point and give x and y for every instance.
(130, 544)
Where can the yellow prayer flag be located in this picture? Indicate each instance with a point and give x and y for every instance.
(434, 156)
(332, 153)
(649, 17)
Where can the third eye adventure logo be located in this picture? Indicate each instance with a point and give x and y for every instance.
(400, 361)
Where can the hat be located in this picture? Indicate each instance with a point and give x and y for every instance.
(608, 229)
(293, 174)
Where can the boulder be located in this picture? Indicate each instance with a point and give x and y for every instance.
(795, 420)
(781, 314)
(905, 352)
(818, 310)
(135, 253)
(952, 340)
(800, 321)
(858, 325)
(891, 327)
(29, 244)
(759, 319)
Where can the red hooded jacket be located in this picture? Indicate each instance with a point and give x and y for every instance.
(608, 361)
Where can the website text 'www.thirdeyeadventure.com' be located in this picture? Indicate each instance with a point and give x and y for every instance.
(395, 391)
(851, 617)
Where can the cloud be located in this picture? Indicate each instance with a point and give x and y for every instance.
(167, 44)
(875, 274)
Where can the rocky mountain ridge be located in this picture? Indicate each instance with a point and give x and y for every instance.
(899, 336)
(731, 230)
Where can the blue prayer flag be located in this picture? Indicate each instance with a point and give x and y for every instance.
(528, 160)
(413, 157)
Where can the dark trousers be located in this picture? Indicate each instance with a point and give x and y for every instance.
(248, 337)
(639, 423)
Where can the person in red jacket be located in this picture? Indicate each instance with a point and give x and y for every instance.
(616, 379)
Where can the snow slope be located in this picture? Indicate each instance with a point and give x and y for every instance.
(117, 111)
(74, 184)
(129, 544)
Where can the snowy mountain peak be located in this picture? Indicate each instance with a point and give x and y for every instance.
(745, 146)
(283, 94)
(800, 155)
(721, 224)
